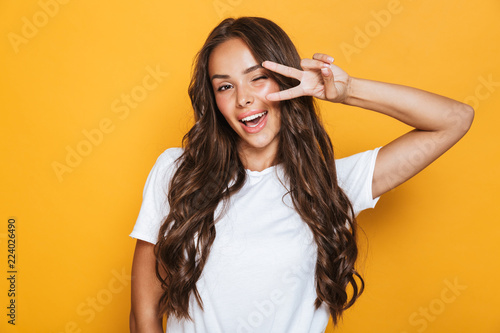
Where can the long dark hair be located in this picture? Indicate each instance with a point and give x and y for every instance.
(210, 171)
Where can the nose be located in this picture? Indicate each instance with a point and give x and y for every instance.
(244, 97)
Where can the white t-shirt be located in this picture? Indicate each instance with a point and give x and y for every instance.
(259, 276)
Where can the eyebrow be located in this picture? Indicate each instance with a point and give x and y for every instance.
(246, 71)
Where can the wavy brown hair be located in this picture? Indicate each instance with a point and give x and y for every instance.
(210, 171)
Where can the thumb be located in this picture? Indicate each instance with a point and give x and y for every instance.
(328, 79)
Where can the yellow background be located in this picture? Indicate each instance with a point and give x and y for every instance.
(69, 75)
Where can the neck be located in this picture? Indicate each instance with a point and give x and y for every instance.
(257, 159)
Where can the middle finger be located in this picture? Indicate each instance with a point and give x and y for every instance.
(313, 64)
(282, 69)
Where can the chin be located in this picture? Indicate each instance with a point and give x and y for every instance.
(260, 143)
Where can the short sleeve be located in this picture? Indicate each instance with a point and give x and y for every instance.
(154, 205)
(355, 177)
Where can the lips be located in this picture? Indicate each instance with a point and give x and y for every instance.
(250, 113)
(257, 115)
(253, 121)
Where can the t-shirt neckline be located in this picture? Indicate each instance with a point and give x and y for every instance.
(261, 173)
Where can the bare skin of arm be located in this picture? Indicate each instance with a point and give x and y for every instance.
(146, 291)
(439, 121)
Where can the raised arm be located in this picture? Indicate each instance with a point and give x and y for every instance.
(439, 121)
(146, 291)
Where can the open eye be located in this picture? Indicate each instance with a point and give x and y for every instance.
(224, 87)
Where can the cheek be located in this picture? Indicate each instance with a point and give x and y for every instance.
(271, 88)
(222, 104)
(268, 88)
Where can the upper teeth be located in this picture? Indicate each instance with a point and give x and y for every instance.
(257, 115)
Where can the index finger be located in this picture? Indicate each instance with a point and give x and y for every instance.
(323, 57)
(286, 94)
(282, 69)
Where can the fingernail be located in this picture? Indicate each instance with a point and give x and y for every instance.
(325, 71)
(330, 59)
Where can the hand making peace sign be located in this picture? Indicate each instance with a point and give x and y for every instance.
(319, 78)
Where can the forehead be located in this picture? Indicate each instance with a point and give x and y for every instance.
(231, 58)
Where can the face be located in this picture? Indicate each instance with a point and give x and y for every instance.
(240, 86)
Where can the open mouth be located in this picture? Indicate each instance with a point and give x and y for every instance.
(253, 120)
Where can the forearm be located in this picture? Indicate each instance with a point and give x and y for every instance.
(145, 325)
(420, 109)
(439, 123)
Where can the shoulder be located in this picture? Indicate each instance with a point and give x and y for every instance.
(169, 156)
(167, 160)
(155, 205)
(356, 163)
(355, 177)
(163, 169)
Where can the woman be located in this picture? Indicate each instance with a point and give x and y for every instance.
(251, 226)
